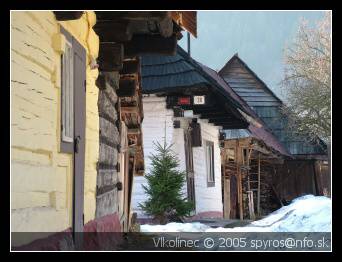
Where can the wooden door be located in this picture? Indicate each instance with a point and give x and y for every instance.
(189, 168)
(79, 133)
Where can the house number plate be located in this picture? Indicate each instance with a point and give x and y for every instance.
(199, 100)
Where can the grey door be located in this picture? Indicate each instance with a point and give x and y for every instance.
(77, 146)
(79, 124)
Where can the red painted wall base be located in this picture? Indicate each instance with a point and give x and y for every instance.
(104, 233)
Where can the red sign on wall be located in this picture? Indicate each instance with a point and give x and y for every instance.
(184, 100)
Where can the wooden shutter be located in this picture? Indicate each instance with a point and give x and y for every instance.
(196, 136)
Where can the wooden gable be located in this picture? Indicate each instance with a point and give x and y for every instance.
(247, 85)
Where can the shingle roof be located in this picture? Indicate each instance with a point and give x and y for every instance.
(262, 132)
(272, 116)
(164, 73)
(236, 57)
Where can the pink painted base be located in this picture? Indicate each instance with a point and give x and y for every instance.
(98, 235)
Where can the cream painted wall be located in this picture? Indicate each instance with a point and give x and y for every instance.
(41, 177)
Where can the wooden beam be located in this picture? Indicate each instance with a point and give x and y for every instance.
(213, 115)
(223, 119)
(134, 131)
(129, 109)
(151, 44)
(227, 123)
(111, 56)
(166, 27)
(207, 109)
(130, 67)
(67, 15)
(232, 126)
(127, 87)
(113, 31)
(131, 15)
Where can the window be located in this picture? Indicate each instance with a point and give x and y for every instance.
(67, 98)
(209, 150)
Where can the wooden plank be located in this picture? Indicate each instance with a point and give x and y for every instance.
(111, 56)
(226, 198)
(151, 44)
(113, 31)
(130, 110)
(130, 67)
(127, 87)
(134, 131)
(251, 204)
(224, 118)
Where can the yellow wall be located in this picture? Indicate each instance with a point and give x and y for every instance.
(41, 177)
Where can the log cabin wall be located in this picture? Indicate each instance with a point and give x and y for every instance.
(123, 37)
(109, 141)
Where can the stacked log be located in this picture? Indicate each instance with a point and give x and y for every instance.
(107, 178)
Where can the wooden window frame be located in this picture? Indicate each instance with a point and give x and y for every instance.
(67, 111)
(210, 163)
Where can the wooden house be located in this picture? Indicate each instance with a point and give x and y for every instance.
(306, 171)
(76, 116)
(187, 107)
(249, 157)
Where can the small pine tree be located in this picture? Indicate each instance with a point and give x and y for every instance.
(164, 185)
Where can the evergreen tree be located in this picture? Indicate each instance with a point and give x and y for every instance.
(164, 187)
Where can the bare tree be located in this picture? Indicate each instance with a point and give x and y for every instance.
(307, 80)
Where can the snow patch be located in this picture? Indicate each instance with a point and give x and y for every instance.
(305, 214)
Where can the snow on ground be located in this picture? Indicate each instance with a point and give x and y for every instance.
(305, 214)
